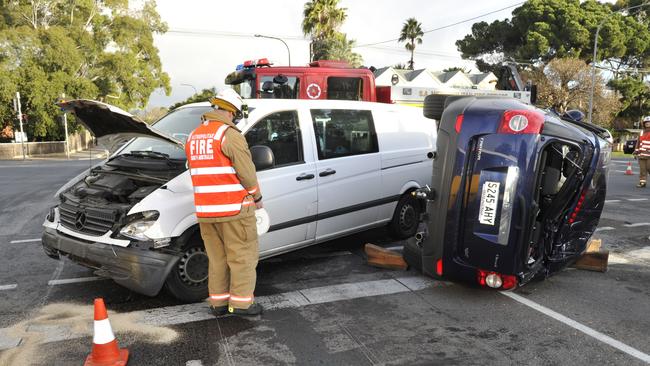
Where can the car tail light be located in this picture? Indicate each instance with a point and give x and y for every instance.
(518, 122)
(581, 200)
(459, 122)
(439, 267)
(496, 280)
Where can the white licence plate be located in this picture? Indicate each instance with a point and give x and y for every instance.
(489, 199)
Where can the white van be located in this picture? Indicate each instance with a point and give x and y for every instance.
(336, 168)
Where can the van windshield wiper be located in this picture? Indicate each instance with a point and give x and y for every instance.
(149, 154)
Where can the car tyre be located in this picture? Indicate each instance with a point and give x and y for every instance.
(434, 104)
(188, 280)
(405, 218)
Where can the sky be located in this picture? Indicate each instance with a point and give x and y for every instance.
(207, 39)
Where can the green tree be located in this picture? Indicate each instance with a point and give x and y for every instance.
(456, 68)
(95, 49)
(411, 32)
(203, 96)
(543, 30)
(321, 21)
(565, 83)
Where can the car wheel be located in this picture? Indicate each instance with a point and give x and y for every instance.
(406, 216)
(434, 104)
(188, 280)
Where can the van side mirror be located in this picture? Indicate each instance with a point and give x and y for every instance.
(263, 157)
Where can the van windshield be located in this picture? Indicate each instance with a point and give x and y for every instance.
(178, 124)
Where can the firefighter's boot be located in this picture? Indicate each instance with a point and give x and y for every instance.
(254, 309)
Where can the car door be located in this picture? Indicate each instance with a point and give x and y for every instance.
(348, 166)
(289, 186)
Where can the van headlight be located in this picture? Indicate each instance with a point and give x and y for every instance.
(138, 224)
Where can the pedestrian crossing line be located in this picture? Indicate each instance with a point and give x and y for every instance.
(74, 280)
(612, 201)
(188, 313)
(638, 224)
(637, 199)
(605, 228)
(25, 241)
(8, 287)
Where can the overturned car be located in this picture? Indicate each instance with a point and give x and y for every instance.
(516, 194)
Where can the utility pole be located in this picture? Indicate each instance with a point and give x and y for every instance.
(65, 125)
(20, 120)
(278, 39)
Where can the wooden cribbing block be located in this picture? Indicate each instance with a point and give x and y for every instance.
(384, 258)
(594, 246)
(593, 261)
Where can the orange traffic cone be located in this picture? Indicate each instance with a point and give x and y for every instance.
(628, 171)
(105, 350)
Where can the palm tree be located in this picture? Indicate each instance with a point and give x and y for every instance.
(322, 19)
(411, 31)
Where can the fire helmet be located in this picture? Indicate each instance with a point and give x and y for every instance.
(229, 100)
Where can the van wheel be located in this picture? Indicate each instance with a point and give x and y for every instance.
(405, 218)
(188, 280)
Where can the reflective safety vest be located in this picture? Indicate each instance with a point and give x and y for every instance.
(644, 145)
(217, 189)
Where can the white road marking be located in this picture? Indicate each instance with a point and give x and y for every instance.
(187, 313)
(8, 287)
(583, 328)
(638, 224)
(643, 253)
(605, 228)
(637, 199)
(74, 280)
(621, 171)
(194, 363)
(398, 247)
(612, 201)
(25, 241)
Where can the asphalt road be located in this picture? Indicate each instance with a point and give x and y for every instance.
(327, 306)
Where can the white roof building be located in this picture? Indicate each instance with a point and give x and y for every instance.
(424, 78)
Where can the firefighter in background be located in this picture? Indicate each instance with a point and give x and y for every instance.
(642, 152)
(226, 195)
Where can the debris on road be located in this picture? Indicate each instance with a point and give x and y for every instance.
(384, 258)
(57, 321)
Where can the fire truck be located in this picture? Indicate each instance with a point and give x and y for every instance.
(325, 79)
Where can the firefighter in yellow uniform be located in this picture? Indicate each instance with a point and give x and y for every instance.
(642, 152)
(226, 195)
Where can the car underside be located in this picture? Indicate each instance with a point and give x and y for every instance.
(516, 194)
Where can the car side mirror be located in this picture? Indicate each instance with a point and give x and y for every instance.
(263, 157)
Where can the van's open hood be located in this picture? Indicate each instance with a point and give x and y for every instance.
(111, 125)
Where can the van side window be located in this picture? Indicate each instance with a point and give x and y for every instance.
(341, 88)
(278, 87)
(279, 131)
(343, 132)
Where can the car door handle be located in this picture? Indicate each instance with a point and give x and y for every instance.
(327, 172)
(304, 176)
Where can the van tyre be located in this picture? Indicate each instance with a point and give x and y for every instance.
(188, 280)
(405, 219)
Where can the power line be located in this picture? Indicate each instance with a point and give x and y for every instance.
(211, 33)
(447, 26)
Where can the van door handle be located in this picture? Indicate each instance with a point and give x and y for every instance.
(304, 176)
(327, 172)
